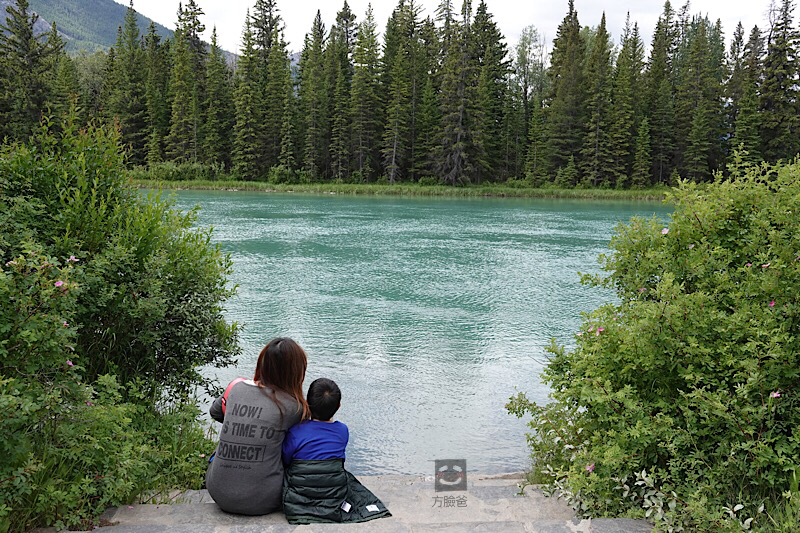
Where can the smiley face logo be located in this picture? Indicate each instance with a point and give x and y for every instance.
(450, 475)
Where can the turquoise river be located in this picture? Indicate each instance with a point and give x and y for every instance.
(428, 313)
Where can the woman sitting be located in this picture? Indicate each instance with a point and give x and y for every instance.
(246, 473)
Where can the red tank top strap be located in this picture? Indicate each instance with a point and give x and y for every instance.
(228, 391)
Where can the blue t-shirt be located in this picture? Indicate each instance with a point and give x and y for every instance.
(314, 440)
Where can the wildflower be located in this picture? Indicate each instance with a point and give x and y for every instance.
(599, 330)
(774, 394)
(691, 246)
(59, 283)
(590, 468)
(766, 265)
(591, 329)
(749, 264)
(664, 231)
(70, 363)
(202, 456)
(65, 324)
(11, 263)
(772, 303)
(642, 289)
(72, 259)
(90, 404)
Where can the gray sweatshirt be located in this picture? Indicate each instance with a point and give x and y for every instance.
(246, 475)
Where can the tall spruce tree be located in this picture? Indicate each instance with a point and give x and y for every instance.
(746, 133)
(341, 44)
(488, 50)
(156, 93)
(219, 108)
(314, 100)
(735, 84)
(537, 160)
(365, 99)
(780, 122)
(275, 101)
(640, 176)
(27, 58)
(625, 104)
(659, 98)
(128, 105)
(565, 103)
(696, 104)
(461, 155)
(245, 140)
(597, 156)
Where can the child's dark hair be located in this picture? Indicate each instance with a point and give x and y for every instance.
(324, 398)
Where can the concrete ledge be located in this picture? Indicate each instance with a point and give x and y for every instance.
(491, 504)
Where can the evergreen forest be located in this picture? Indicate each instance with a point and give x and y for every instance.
(437, 98)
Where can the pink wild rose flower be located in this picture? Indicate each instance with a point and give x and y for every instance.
(664, 231)
(590, 468)
(774, 394)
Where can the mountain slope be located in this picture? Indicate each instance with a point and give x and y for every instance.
(89, 24)
(84, 24)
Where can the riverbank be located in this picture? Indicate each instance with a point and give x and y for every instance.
(371, 189)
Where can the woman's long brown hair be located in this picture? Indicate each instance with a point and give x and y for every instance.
(282, 366)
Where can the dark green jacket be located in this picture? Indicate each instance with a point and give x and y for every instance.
(323, 491)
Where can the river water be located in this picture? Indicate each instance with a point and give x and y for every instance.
(428, 313)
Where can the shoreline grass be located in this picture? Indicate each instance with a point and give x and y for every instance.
(408, 189)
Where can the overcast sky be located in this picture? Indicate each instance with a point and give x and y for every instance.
(511, 15)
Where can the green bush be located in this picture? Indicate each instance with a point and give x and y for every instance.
(109, 304)
(680, 402)
(171, 171)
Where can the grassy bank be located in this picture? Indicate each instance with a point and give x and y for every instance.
(407, 189)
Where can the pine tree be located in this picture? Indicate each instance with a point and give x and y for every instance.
(428, 120)
(623, 117)
(245, 146)
(780, 122)
(275, 101)
(63, 87)
(596, 153)
(567, 97)
(395, 150)
(27, 60)
(314, 100)
(659, 99)
(219, 108)
(536, 163)
(365, 100)
(341, 45)
(128, 105)
(489, 51)
(181, 139)
(156, 89)
(640, 177)
(735, 85)
(746, 133)
(695, 104)
(461, 155)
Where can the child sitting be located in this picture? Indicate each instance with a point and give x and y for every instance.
(316, 487)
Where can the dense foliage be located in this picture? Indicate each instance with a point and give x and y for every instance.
(681, 400)
(109, 305)
(441, 97)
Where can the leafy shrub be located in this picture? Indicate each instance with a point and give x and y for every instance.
(153, 288)
(109, 304)
(171, 171)
(429, 181)
(681, 401)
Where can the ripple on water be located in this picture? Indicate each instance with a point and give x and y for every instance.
(429, 313)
